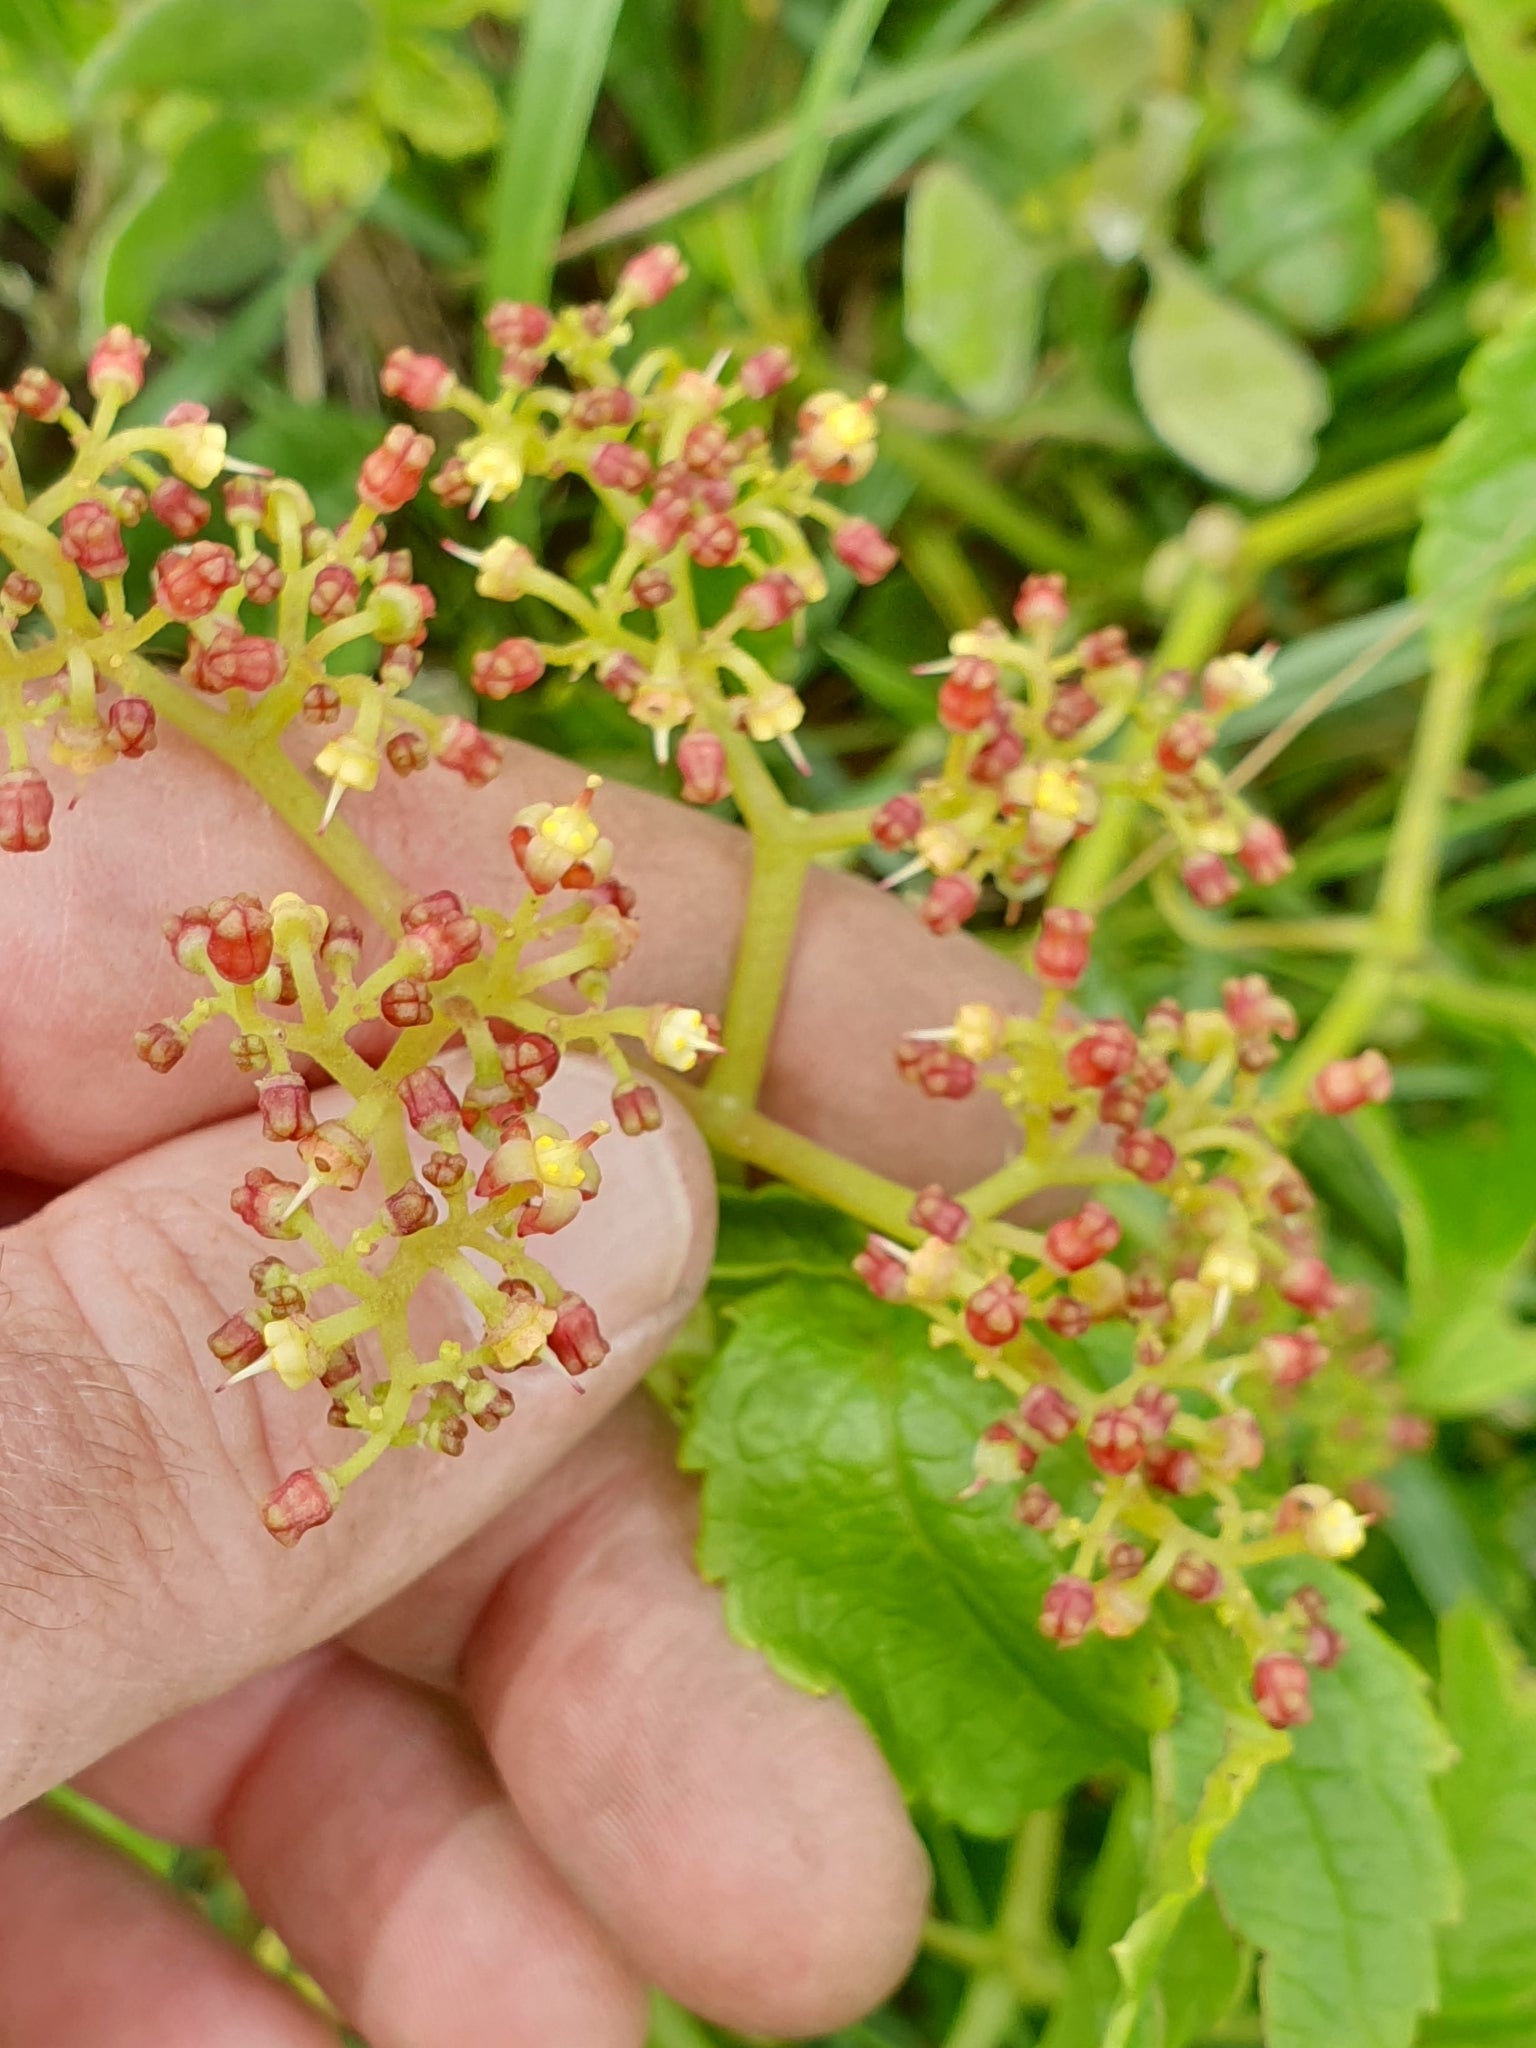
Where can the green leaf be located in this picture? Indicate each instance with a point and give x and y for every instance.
(1338, 1868)
(1479, 530)
(1488, 1695)
(201, 228)
(1501, 41)
(1225, 390)
(840, 52)
(834, 1442)
(437, 99)
(973, 289)
(1291, 212)
(768, 1232)
(1467, 1205)
(265, 54)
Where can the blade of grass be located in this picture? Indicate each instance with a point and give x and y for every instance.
(549, 109)
(969, 71)
(838, 61)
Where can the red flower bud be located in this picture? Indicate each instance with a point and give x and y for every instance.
(131, 728)
(286, 1115)
(409, 1209)
(616, 466)
(949, 902)
(1345, 1085)
(1150, 1157)
(405, 1003)
(882, 1272)
(530, 1061)
(475, 755)
(715, 541)
(995, 1312)
(160, 1046)
(766, 372)
(1175, 1469)
(1308, 1285)
(507, 668)
(237, 661)
(91, 538)
(1209, 880)
(116, 367)
(1066, 1614)
(1195, 1577)
(239, 938)
(514, 324)
(1036, 1508)
(649, 277)
(391, 476)
(238, 1342)
(1061, 949)
(1078, 1241)
(1293, 1356)
(39, 395)
(261, 1200)
(1282, 1691)
(1071, 709)
(701, 763)
(245, 500)
(1188, 740)
(335, 593)
(898, 819)
(177, 506)
(1049, 1413)
(1116, 1441)
(1264, 853)
(964, 708)
(1105, 1052)
(1041, 603)
(20, 593)
(321, 704)
(861, 547)
(407, 753)
(303, 1501)
(660, 527)
(26, 806)
(421, 382)
(1106, 648)
(939, 1215)
(444, 939)
(575, 1339)
(637, 1109)
(946, 1076)
(263, 580)
(188, 582)
(1068, 1318)
(769, 601)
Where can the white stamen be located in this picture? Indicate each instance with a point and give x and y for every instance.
(1220, 1309)
(479, 501)
(332, 802)
(310, 1186)
(714, 368)
(243, 468)
(661, 741)
(460, 553)
(570, 1379)
(905, 874)
(937, 1034)
(248, 1372)
(933, 668)
(795, 751)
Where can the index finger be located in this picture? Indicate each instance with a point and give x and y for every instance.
(80, 933)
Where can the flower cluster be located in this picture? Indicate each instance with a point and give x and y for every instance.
(455, 1183)
(1171, 1367)
(682, 461)
(252, 620)
(1025, 772)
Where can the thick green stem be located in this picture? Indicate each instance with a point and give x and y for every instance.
(749, 1136)
(779, 864)
(1440, 748)
(1377, 501)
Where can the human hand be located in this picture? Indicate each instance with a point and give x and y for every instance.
(481, 1750)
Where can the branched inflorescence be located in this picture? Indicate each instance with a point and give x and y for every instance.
(1187, 1349)
(284, 975)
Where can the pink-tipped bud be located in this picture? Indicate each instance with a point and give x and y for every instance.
(189, 581)
(263, 580)
(504, 670)
(529, 1061)
(236, 661)
(896, 822)
(239, 939)
(1036, 1508)
(575, 1339)
(262, 1201)
(406, 1003)
(944, 1075)
(239, 1342)
(342, 947)
(39, 395)
(1048, 1412)
(409, 1209)
(446, 941)
(303, 1502)
(1173, 1468)
(616, 466)
(649, 277)
(513, 323)
(939, 1215)
(883, 1273)
(966, 707)
(321, 704)
(286, 1113)
(91, 538)
(1346, 1085)
(430, 1104)
(951, 900)
(1146, 1154)
(1282, 1691)
(475, 755)
(1209, 880)
(1116, 1441)
(1041, 603)
(1187, 741)
(1293, 1356)
(637, 1109)
(701, 762)
(20, 593)
(1105, 1051)
(407, 753)
(160, 1046)
(995, 1313)
(1077, 1241)
(334, 594)
(391, 476)
(1067, 1612)
(1072, 708)
(1264, 853)
(715, 540)
(183, 511)
(1061, 949)
(116, 367)
(769, 601)
(131, 729)
(1307, 1284)
(26, 806)
(862, 548)
(1195, 1577)
(424, 383)
(767, 372)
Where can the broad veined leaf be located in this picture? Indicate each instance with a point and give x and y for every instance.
(1291, 212)
(766, 1233)
(266, 54)
(1467, 1205)
(834, 1442)
(1337, 1868)
(435, 97)
(973, 289)
(1229, 393)
(1478, 539)
(1488, 1696)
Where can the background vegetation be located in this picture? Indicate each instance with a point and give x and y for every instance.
(1175, 299)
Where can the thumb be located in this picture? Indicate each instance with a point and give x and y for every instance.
(137, 1578)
